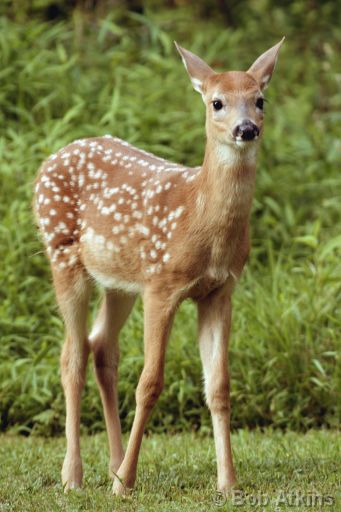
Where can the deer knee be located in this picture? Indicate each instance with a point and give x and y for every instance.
(148, 391)
(218, 397)
(106, 363)
(105, 356)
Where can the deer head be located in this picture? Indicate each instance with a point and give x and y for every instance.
(234, 100)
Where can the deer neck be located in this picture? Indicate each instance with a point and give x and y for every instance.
(225, 191)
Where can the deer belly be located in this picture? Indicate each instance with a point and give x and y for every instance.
(110, 263)
(114, 282)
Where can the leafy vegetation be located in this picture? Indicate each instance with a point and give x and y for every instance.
(272, 468)
(87, 73)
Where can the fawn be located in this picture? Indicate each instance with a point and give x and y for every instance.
(136, 223)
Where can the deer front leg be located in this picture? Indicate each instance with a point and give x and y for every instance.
(158, 315)
(214, 329)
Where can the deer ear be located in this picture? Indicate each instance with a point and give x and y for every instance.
(263, 67)
(197, 69)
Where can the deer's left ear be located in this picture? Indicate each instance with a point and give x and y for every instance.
(263, 67)
(197, 69)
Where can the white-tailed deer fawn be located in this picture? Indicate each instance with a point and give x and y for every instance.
(136, 223)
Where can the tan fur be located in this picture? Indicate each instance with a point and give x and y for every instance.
(136, 223)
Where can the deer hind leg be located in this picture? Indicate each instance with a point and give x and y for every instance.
(158, 315)
(72, 291)
(112, 315)
(214, 329)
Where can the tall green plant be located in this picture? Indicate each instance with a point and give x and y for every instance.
(121, 75)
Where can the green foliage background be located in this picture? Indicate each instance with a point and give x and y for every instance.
(71, 70)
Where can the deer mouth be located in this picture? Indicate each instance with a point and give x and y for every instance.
(240, 142)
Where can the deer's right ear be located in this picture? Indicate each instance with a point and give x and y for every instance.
(197, 69)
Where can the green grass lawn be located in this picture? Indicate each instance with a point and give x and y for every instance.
(178, 473)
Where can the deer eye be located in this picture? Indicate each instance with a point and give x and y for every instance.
(260, 103)
(217, 105)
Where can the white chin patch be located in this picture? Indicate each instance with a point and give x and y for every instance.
(241, 143)
(244, 143)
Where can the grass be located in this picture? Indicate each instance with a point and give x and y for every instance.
(177, 473)
(118, 73)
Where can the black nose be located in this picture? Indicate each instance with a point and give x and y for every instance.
(246, 130)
